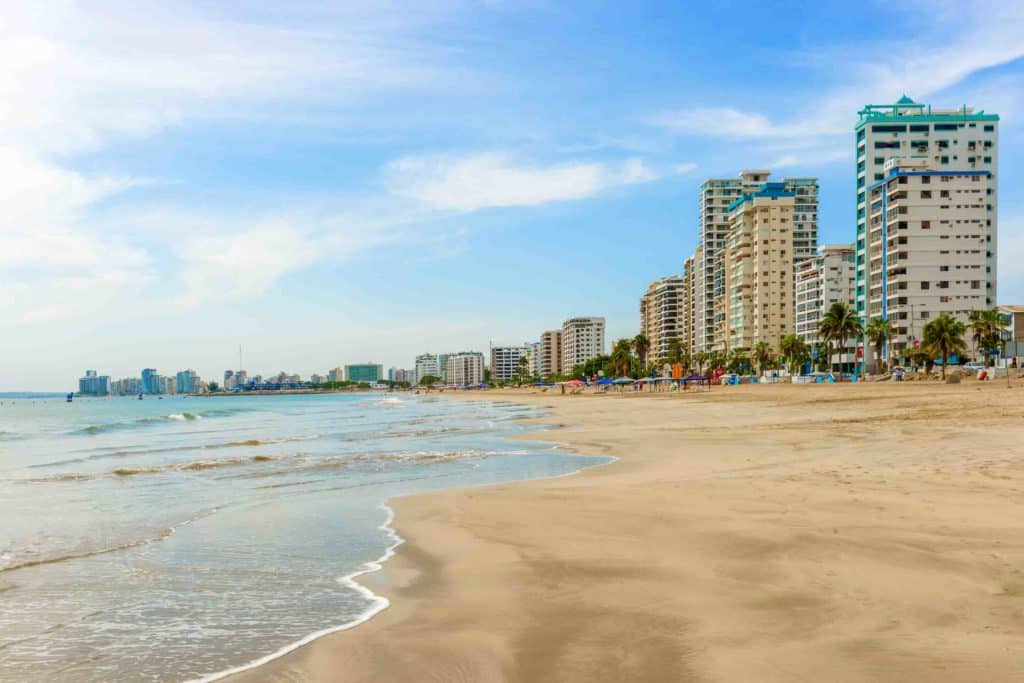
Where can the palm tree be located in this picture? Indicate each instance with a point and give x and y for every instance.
(792, 347)
(701, 357)
(986, 327)
(524, 369)
(641, 344)
(878, 331)
(622, 356)
(762, 355)
(675, 351)
(839, 323)
(944, 337)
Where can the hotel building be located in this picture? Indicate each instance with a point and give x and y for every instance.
(930, 246)
(465, 368)
(757, 305)
(716, 196)
(582, 339)
(662, 315)
(948, 140)
(427, 365)
(550, 353)
(821, 281)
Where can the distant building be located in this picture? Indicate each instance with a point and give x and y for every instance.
(427, 365)
(150, 381)
(661, 315)
(128, 386)
(93, 384)
(688, 305)
(533, 354)
(400, 375)
(828, 278)
(550, 353)
(365, 372)
(316, 379)
(229, 380)
(505, 362)
(187, 382)
(582, 339)
(336, 375)
(465, 368)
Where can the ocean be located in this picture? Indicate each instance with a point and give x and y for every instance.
(177, 539)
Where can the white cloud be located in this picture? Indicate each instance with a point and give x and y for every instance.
(485, 180)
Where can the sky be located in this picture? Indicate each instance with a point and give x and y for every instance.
(337, 182)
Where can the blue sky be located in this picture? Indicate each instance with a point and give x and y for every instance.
(331, 182)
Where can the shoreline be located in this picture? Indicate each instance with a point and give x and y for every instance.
(469, 554)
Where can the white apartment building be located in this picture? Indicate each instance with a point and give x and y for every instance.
(828, 278)
(550, 353)
(582, 339)
(930, 246)
(533, 354)
(464, 369)
(662, 315)
(716, 194)
(960, 139)
(427, 365)
(505, 362)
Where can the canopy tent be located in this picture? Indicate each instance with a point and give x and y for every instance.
(604, 381)
(624, 380)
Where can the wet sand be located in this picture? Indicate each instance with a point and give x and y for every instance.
(759, 533)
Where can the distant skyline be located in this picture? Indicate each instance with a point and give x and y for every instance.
(333, 183)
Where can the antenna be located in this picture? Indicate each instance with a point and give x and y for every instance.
(239, 356)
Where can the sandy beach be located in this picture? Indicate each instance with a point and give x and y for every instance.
(868, 532)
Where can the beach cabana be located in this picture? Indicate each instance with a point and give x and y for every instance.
(696, 383)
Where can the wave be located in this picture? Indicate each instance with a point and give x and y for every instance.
(184, 416)
(154, 419)
(193, 466)
(160, 535)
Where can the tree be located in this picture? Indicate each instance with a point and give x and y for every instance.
(429, 381)
(839, 324)
(792, 347)
(523, 369)
(738, 360)
(944, 337)
(701, 357)
(641, 344)
(676, 352)
(622, 356)
(986, 331)
(879, 331)
(213, 387)
(762, 356)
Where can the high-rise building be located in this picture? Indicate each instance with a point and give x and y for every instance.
(150, 381)
(188, 382)
(364, 372)
(930, 245)
(961, 140)
(336, 375)
(716, 195)
(505, 362)
(550, 353)
(828, 278)
(465, 368)
(93, 384)
(757, 304)
(582, 339)
(427, 365)
(662, 317)
(533, 354)
(688, 302)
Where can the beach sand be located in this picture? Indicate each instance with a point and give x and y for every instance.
(857, 532)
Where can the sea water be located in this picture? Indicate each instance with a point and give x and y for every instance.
(169, 540)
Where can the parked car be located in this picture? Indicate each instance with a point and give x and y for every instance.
(973, 366)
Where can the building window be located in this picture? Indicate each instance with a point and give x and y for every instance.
(925, 284)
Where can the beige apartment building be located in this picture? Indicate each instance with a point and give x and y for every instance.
(582, 339)
(465, 368)
(550, 353)
(661, 315)
(930, 246)
(757, 304)
(688, 305)
(716, 197)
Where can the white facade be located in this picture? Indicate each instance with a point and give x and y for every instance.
(930, 246)
(464, 369)
(505, 362)
(828, 278)
(427, 365)
(582, 339)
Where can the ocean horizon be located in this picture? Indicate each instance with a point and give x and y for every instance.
(181, 539)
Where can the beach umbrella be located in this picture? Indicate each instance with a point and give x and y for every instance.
(624, 380)
(576, 383)
(605, 381)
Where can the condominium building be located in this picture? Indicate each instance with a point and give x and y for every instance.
(550, 353)
(828, 278)
(93, 384)
(949, 140)
(150, 381)
(505, 362)
(582, 339)
(465, 368)
(930, 245)
(688, 302)
(757, 305)
(427, 365)
(364, 372)
(662, 315)
(533, 355)
(336, 375)
(716, 196)
(128, 386)
(188, 382)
